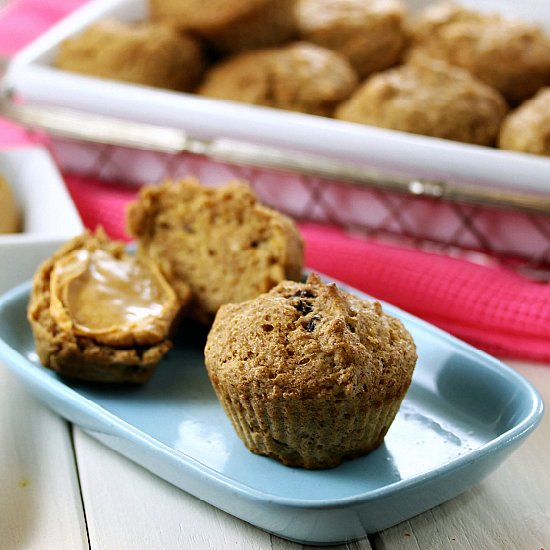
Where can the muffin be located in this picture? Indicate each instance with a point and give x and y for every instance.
(230, 25)
(10, 219)
(140, 53)
(99, 314)
(511, 55)
(309, 374)
(431, 98)
(369, 33)
(299, 77)
(527, 129)
(219, 242)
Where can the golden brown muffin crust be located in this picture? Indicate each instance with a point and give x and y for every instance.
(299, 77)
(527, 129)
(141, 53)
(310, 341)
(431, 98)
(10, 218)
(370, 33)
(309, 374)
(230, 25)
(506, 53)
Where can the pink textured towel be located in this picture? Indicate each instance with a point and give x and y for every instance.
(490, 307)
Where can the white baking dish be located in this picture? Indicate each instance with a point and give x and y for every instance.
(33, 79)
(49, 215)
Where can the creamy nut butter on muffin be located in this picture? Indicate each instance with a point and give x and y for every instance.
(309, 374)
(99, 314)
(527, 129)
(369, 33)
(511, 55)
(230, 25)
(299, 77)
(431, 98)
(140, 53)
(219, 242)
(10, 216)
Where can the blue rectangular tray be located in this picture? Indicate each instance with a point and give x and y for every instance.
(465, 412)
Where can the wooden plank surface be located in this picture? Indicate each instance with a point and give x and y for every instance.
(40, 503)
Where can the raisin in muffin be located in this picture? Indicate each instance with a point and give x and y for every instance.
(140, 53)
(230, 25)
(527, 129)
(298, 77)
(511, 55)
(369, 33)
(431, 98)
(219, 242)
(99, 314)
(309, 374)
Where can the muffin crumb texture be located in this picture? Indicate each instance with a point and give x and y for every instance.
(214, 244)
(309, 374)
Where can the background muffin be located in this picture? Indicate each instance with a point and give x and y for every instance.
(221, 242)
(511, 55)
(527, 129)
(431, 98)
(309, 374)
(99, 314)
(10, 220)
(230, 25)
(298, 77)
(369, 33)
(141, 53)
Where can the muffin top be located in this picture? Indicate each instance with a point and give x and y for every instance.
(527, 129)
(299, 77)
(370, 33)
(310, 340)
(428, 97)
(509, 54)
(142, 53)
(198, 15)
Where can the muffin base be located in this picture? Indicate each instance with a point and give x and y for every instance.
(311, 433)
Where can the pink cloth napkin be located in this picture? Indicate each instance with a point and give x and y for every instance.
(491, 307)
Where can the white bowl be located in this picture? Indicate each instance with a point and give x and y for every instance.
(49, 215)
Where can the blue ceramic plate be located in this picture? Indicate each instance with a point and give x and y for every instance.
(464, 413)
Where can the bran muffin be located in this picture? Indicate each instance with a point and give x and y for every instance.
(369, 33)
(511, 55)
(99, 314)
(527, 129)
(140, 53)
(431, 98)
(10, 221)
(299, 77)
(309, 374)
(220, 241)
(230, 25)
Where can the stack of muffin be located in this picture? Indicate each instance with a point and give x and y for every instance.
(451, 72)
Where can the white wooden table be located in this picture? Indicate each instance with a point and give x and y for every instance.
(60, 488)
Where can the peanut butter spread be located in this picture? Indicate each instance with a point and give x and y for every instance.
(116, 301)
